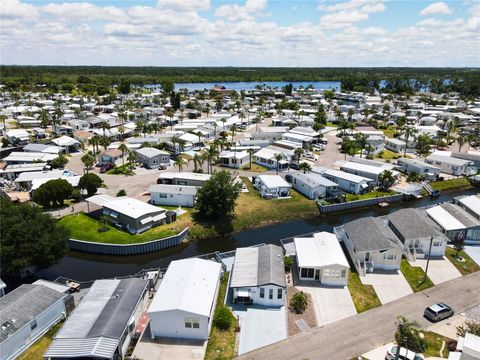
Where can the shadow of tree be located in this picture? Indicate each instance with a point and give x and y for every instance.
(221, 225)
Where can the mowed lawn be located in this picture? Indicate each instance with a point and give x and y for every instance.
(459, 183)
(415, 276)
(467, 266)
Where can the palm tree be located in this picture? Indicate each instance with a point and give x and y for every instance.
(241, 117)
(343, 125)
(278, 157)
(409, 131)
(124, 149)
(88, 160)
(121, 131)
(44, 119)
(250, 153)
(95, 142)
(298, 152)
(305, 167)
(214, 130)
(212, 154)
(196, 161)
(223, 120)
(180, 162)
(462, 140)
(407, 335)
(174, 141)
(132, 158)
(386, 179)
(104, 125)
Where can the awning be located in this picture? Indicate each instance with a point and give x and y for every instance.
(364, 185)
(146, 220)
(243, 293)
(159, 217)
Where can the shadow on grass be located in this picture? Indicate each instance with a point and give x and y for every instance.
(221, 225)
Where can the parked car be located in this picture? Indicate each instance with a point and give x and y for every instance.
(309, 155)
(319, 147)
(294, 165)
(404, 354)
(438, 311)
(289, 178)
(104, 168)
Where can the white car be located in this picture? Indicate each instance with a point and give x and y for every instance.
(404, 354)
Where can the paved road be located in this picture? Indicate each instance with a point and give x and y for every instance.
(358, 334)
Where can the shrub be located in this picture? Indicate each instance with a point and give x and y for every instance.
(287, 260)
(121, 192)
(59, 162)
(299, 302)
(223, 318)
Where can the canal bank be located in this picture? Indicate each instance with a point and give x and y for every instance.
(85, 267)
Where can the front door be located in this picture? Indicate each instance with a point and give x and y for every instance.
(367, 256)
(317, 274)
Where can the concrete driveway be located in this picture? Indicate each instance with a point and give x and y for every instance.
(331, 303)
(261, 326)
(473, 252)
(389, 285)
(439, 269)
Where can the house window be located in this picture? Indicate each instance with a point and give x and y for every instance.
(262, 293)
(389, 256)
(162, 196)
(270, 294)
(192, 323)
(437, 243)
(326, 272)
(344, 273)
(307, 273)
(279, 293)
(33, 325)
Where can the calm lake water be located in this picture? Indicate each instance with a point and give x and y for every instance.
(85, 267)
(319, 85)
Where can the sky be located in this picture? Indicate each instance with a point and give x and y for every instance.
(312, 33)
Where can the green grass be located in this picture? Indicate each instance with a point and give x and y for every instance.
(221, 344)
(330, 124)
(255, 168)
(414, 276)
(36, 351)
(465, 267)
(459, 184)
(369, 195)
(433, 344)
(387, 155)
(83, 227)
(364, 296)
(121, 170)
(389, 132)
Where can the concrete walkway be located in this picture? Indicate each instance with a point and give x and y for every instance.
(439, 269)
(358, 334)
(473, 252)
(389, 285)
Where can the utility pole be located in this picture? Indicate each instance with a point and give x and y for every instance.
(428, 259)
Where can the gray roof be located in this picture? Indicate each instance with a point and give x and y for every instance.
(257, 266)
(313, 179)
(96, 325)
(150, 152)
(461, 215)
(370, 233)
(448, 159)
(413, 224)
(23, 305)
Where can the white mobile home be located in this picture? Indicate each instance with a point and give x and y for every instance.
(173, 195)
(153, 158)
(183, 178)
(312, 185)
(258, 276)
(266, 157)
(471, 204)
(184, 303)
(409, 166)
(449, 165)
(234, 159)
(27, 313)
(365, 170)
(321, 258)
(348, 182)
(272, 186)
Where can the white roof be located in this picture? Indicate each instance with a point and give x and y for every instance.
(188, 285)
(443, 218)
(30, 156)
(37, 175)
(125, 205)
(321, 250)
(346, 176)
(448, 160)
(472, 202)
(65, 141)
(269, 153)
(173, 189)
(234, 154)
(295, 136)
(273, 181)
(150, 152)
(189, 138)
(184, 175)
(100, 199)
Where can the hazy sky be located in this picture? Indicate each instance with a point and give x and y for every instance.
(241, 33)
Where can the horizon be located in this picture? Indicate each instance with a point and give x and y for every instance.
(241, 34)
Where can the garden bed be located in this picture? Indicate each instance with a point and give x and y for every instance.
(308, 315)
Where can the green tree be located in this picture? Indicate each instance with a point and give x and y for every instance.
(409, 133)
(305, 167)
(53, 193)
(386, 179)
(59, 162)
(218, 196)
(299, 302)
(470, 326)
(90, 182)
(124, 86)
(407, 335)
(278, 157)
(223, 318)
(121, 192)
(44, 118)
(180, 162)
(423, 143)
(88, 161)
(29, 237)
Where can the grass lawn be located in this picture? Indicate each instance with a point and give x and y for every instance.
(221, 344)
(330, 124)
(389, 132)
(414, 276)
(255, 168)
(83, 227)
(387, 155)
(364, 296)
(369, 195)
(433, 344)
(121, 170)
(458, 184)
(465, 267)
(36, 351)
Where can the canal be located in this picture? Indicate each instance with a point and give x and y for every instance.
(83, 267)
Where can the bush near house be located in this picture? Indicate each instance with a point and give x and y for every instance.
(223, 318)
(299, 302)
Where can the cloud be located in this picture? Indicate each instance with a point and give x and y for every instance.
(184, 5)
(347, 13)
(436, 8)
(14, 9)
(237, 12)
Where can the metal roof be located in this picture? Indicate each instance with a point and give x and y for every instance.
(173, 189)
(256, 266)
(471, 202)
(461, 215)
(23, 305)
(443, 218)
(313, 179)
(125, 205)
(150, 152)
(346, 176)
(370, 233)
(321, 250)
(188, 285)
(448, 160)
(273, 181)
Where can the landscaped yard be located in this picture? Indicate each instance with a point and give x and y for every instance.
(465, 267)
(121, 170)
(221, 344)
(433, 344)
(415, 276)
(364, 296)
(458, 184)
(388, 155)
(389, 132)
(36, 351)
(83, 227)
(255, 168)
(370, 195)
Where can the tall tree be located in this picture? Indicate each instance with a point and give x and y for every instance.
(278, 157)
(407, 335)
(409, 133)
(88, 161)
(90, 182)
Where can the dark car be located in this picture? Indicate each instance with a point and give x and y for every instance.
(437, 312)
(294, 166)
(106, 167)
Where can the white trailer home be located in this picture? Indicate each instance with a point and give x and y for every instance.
(321, 258)
(173, 195)
(348, 182)
(312, 185)
(449, 165)
(272, 186)
(184, 303)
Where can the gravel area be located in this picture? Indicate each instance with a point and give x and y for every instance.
(308, 315)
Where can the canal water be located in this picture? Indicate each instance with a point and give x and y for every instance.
(83, 267)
